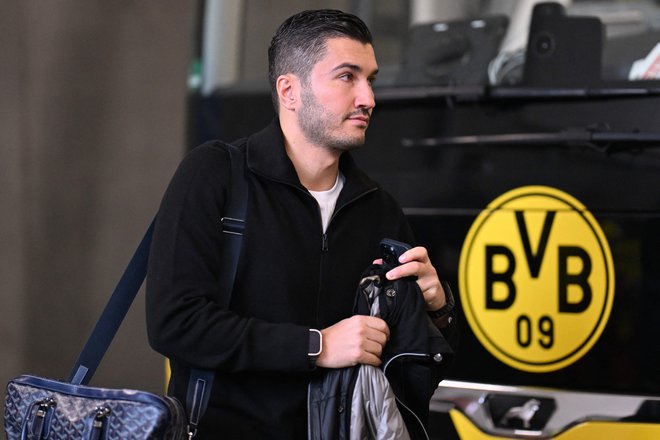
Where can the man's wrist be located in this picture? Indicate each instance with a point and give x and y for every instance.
(445, 310)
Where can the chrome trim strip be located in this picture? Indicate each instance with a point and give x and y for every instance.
(572, 406)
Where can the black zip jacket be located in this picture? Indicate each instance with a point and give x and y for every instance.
(291, 277)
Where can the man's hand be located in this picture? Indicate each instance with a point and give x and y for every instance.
(416, 262)
(356, 340)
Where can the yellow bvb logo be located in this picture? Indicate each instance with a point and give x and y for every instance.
(536, 279)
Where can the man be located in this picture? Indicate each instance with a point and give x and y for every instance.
(314, 221)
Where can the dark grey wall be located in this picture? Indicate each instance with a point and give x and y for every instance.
(268, 15)
(92, 121)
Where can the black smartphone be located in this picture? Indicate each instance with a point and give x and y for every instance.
(391, 250)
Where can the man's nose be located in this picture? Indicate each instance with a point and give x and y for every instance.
(365, 96)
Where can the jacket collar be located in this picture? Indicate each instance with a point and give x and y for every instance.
(267, 157)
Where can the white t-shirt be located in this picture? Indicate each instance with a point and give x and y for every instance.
(328, 199)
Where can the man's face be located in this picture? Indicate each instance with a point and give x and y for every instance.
(337, 98)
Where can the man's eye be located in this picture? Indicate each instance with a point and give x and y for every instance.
(346, 76)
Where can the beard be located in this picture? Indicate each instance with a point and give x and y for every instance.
(317, 125)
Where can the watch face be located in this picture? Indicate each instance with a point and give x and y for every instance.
(314, 343)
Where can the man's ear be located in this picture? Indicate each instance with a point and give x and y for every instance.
(287, 91)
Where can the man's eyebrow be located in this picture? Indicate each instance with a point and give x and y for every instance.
(353, 67)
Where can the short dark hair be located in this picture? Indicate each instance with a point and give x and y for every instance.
(300, 42)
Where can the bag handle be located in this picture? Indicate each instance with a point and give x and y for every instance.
(233, 224)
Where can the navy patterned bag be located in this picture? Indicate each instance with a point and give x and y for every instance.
(40, 408)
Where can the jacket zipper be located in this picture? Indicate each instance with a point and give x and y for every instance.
(324, 239)
(324, 251)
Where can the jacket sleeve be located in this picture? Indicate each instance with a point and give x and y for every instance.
(448, 325)
(185, 321)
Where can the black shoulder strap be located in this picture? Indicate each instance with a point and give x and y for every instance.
(233, 224)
